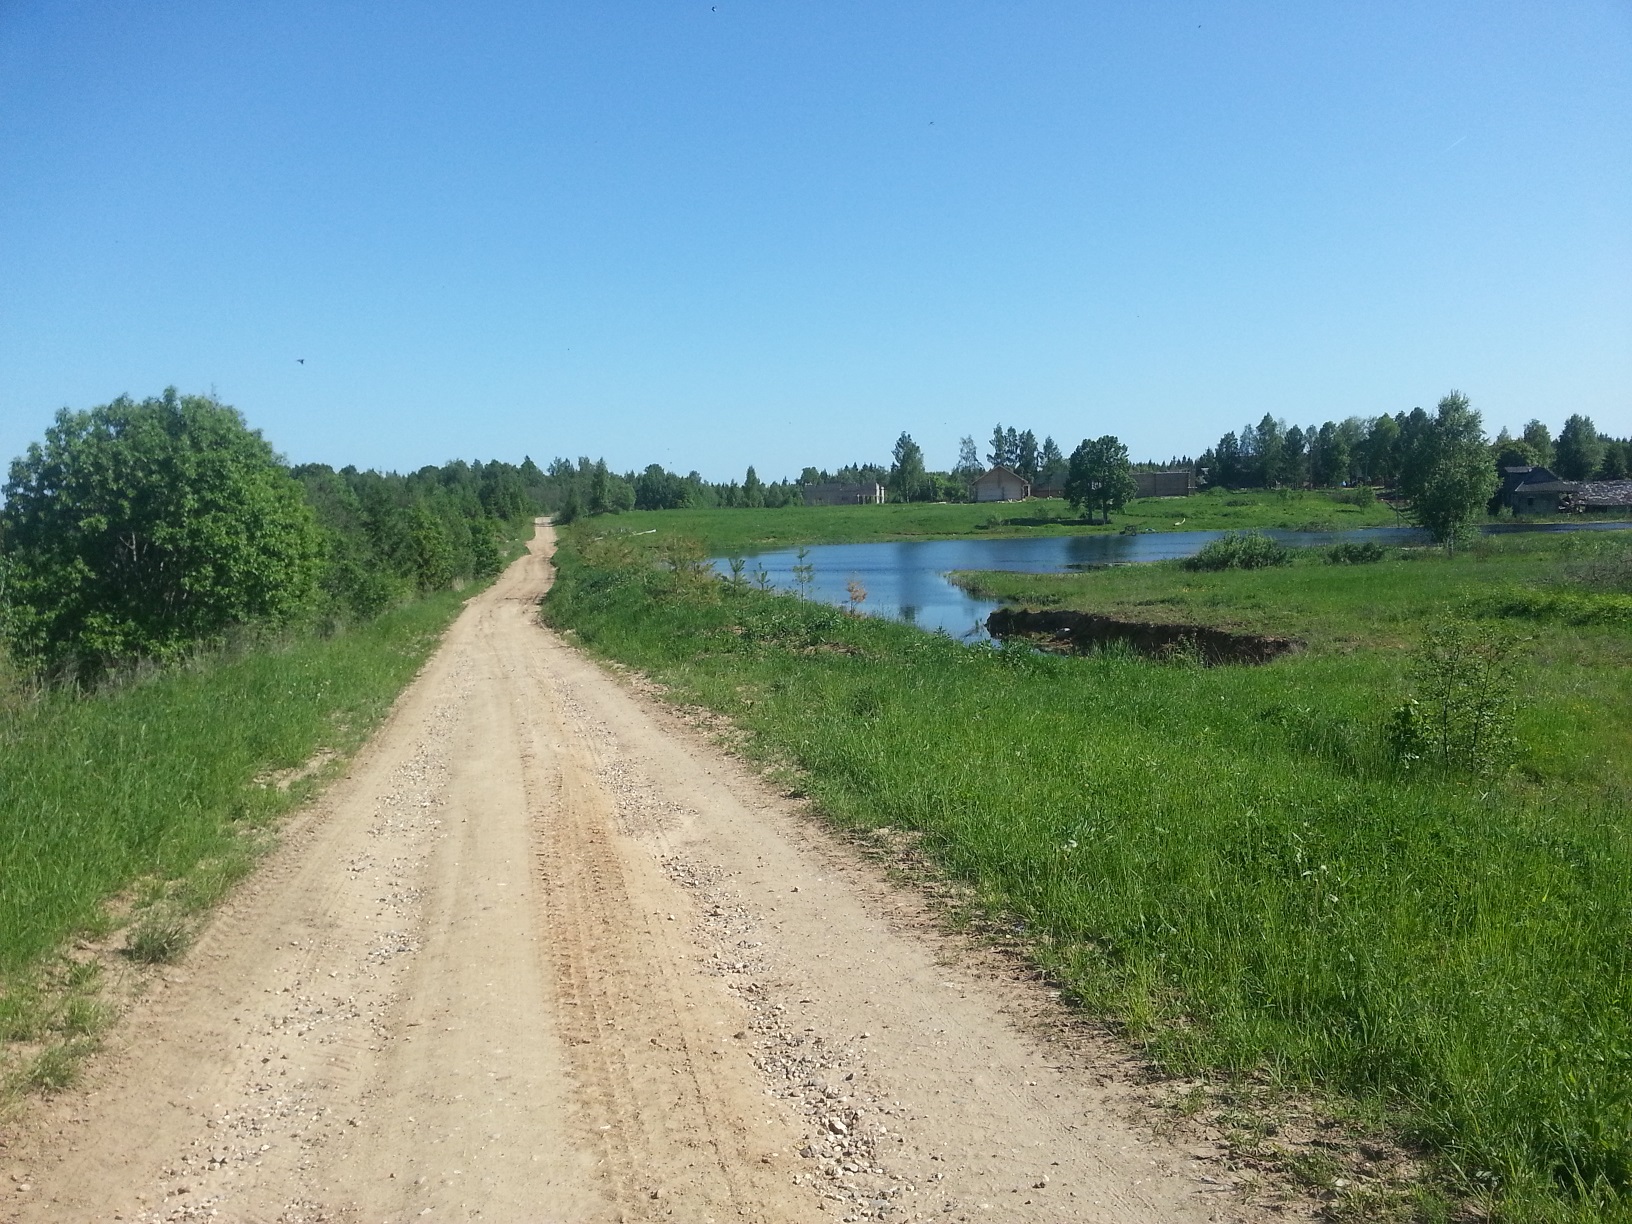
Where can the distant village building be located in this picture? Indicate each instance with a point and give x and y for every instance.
(1533, 490)
(1542, 496)
(1001, 484)
(869, 493)
(1164, 484)
(1602, 496)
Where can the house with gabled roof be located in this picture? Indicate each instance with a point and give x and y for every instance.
(1001, 484)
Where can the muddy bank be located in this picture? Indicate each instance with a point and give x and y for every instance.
(1080, 632)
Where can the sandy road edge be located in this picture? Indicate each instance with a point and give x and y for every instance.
(37, 1125)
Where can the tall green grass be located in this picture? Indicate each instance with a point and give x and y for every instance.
(166, 780)
(1227, 859)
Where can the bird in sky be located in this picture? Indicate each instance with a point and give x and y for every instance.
(302, 360)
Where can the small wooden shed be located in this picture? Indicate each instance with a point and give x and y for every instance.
(1001, 484)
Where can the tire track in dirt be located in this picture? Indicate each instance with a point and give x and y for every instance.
(546, 954)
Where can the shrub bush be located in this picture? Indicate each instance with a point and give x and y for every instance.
(1460, 714)
(1240, 550)
(1360, 495)
(1351, 553)
(145, 530)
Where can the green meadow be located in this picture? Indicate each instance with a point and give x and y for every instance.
(1233, 863)
(738, 531)
(1551, 579)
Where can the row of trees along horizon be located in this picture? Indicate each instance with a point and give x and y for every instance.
(1361, 450)
(146, 530)
(1375, 451)
(592, 488)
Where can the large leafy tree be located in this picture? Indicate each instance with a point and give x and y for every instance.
(1579, 450)
(998, 455)
(143, 529)
(1268, 449)
(1617, 460)
(1295, 448)
(1050, 464)
(1540, 441)
(1099, 476)
(1228, 466)
(1446, 470)
(659, 489)
(1382, 450)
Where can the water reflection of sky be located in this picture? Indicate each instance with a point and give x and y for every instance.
(906, 579)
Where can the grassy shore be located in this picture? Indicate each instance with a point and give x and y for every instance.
(1229, 861)
(1342, 607)
(737, 532)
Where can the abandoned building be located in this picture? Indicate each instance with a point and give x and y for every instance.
(1602, 497)
(1532, 490)
(1164, 484)
(1001, 484)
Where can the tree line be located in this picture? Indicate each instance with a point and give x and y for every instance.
(146, 530)
(1441, 464)
(1377, 450)
(590, 487)
(1271, 454)
(570, 489)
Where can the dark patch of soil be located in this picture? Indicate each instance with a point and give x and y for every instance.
(1069, 632)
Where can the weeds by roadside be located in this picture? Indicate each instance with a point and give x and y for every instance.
(159, 939)
(51, 1016)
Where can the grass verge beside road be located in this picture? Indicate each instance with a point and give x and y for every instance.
(1228, 861)
(161, 793)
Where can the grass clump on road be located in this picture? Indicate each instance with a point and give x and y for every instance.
(1234, 862)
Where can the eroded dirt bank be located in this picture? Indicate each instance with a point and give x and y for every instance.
(1079, 632)
(545, 954)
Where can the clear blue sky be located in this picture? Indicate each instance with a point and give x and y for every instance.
(772, 233)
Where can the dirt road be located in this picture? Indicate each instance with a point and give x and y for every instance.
(545, 954)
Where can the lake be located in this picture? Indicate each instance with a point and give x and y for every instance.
(907, 579)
